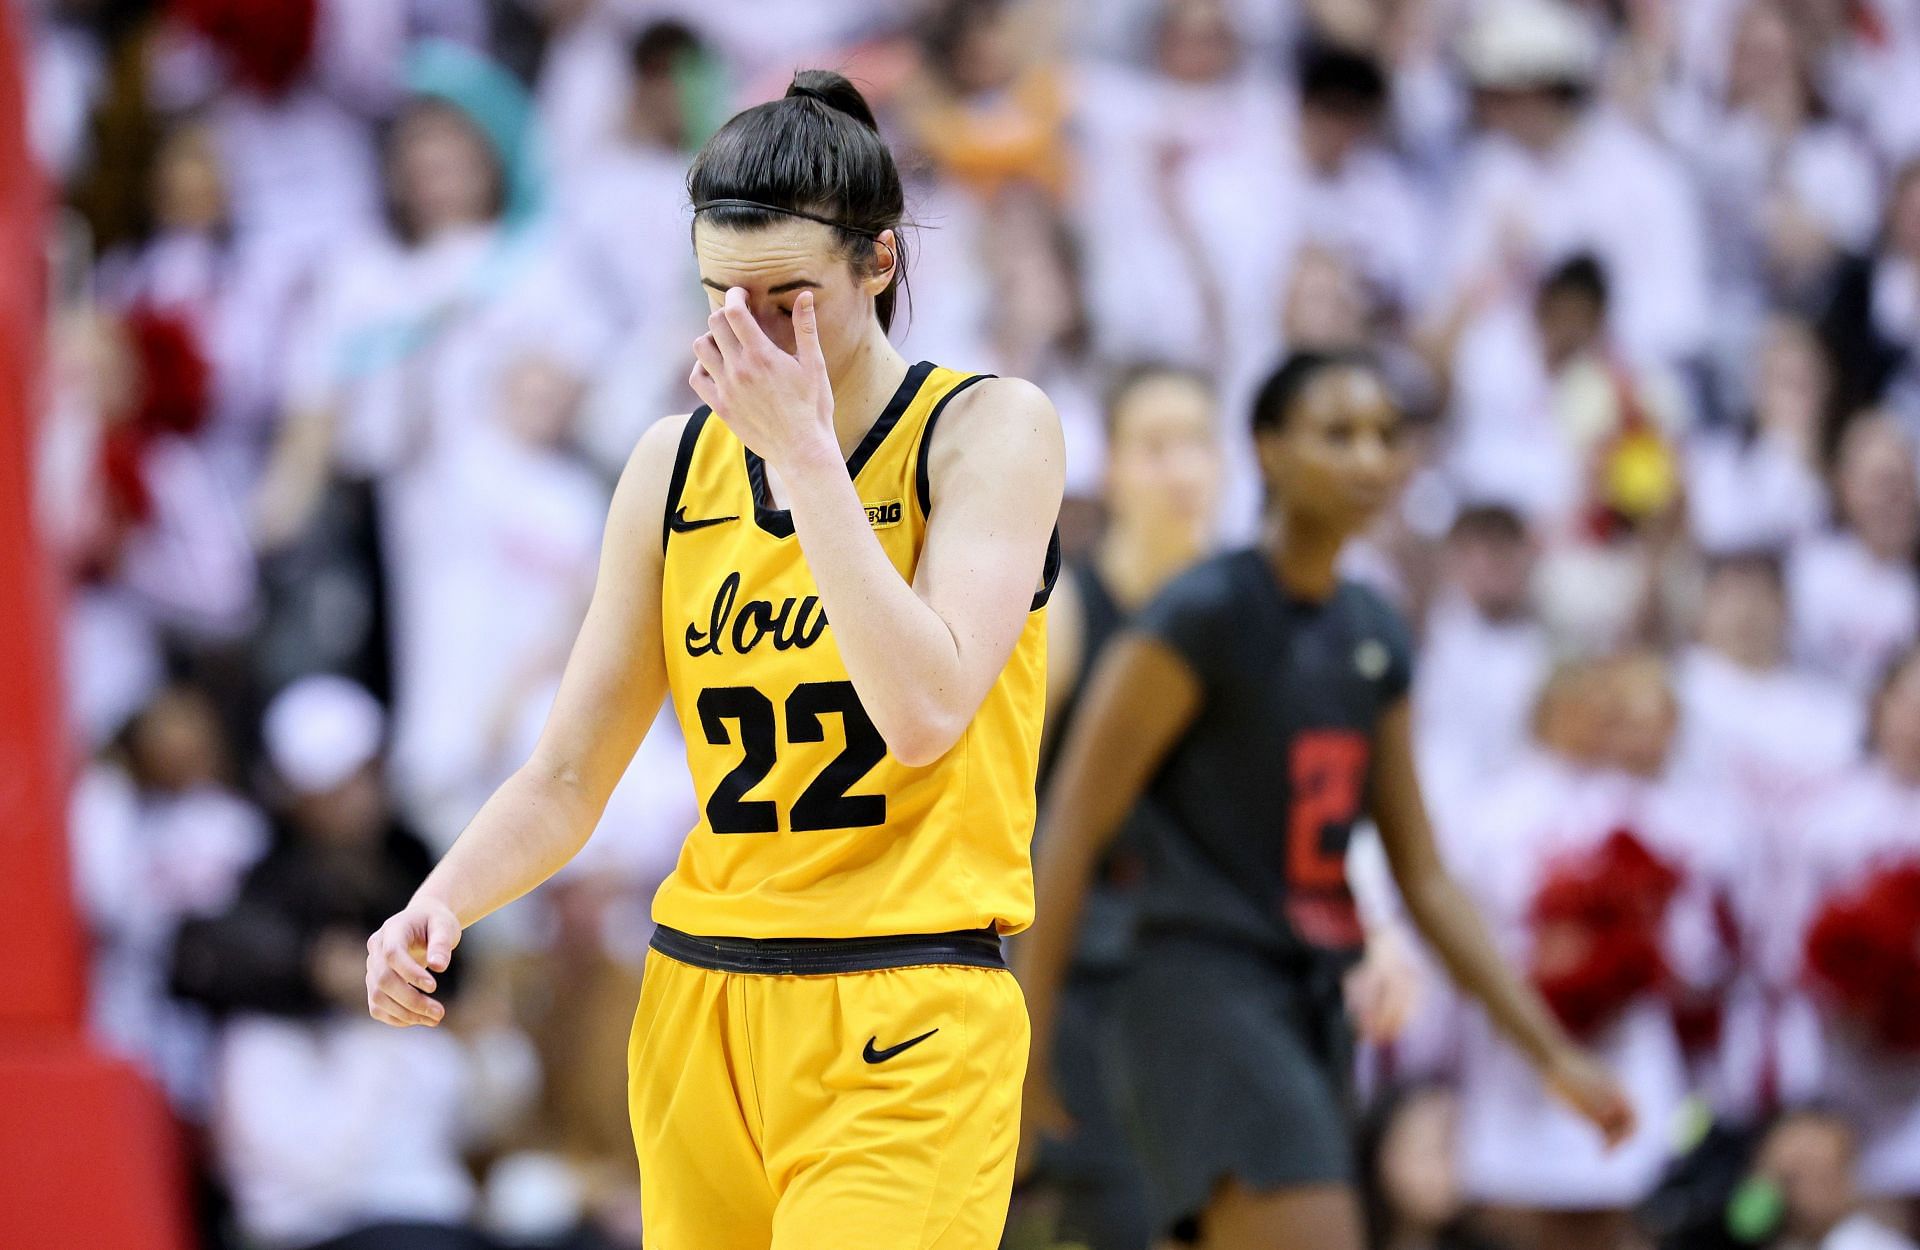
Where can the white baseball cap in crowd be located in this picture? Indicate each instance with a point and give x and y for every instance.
(1529, 43)
(321, 730)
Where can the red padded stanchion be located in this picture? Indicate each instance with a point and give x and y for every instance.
(87, 1154)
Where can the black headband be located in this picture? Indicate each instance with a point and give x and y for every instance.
(789, 212)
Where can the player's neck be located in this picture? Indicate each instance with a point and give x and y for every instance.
(1306, 561)
(862, 385)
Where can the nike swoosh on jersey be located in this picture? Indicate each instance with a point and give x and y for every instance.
(881, 1056)
(679, 524)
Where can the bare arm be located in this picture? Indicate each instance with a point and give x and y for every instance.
(1138, 701)
(543, 814)
(1455, 931)
(923, 656)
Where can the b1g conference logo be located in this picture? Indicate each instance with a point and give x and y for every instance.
(882, 515)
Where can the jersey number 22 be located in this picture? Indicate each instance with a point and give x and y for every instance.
(825, 803)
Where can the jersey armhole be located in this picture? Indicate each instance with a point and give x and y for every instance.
(682, 461)
(923, 488)
(1051, 576)
(922, 472)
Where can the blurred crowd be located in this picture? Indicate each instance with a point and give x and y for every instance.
(360, 305)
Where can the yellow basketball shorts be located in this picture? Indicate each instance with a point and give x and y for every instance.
(854, 1094)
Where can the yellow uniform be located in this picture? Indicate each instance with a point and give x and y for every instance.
(829, 1049)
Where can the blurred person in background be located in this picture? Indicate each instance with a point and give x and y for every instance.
(160, 835)
(1852, 898)
(1408, 1182)
(623, 223)
(1774, 731)
(990, 108)
(1871, 324)
(494, 592)
(331, 1130)
(1773, 738)
(1756, 482)
(1598, 867)
(1484, 655)
(1789, 189)
(1232, 1024)
(1808, 1159)
(1585, 440)
(190, 268)
(1184, 193)
(1853, 599)
(292, 94)
(385, 365)
(1355, 197)
(1551, 176)
(405, 352)
(987, 115)
(1162, 478)
(129, 497)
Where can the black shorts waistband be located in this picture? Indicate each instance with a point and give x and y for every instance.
(974, 948)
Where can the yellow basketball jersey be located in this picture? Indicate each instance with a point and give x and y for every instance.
(808, 826)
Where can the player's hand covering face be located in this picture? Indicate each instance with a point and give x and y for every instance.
(785, 303)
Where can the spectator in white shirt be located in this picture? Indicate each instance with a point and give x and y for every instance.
(1853, 595)
(1355, 197)
(1868, 820)
(158, 838)
(1789, 189)
(1183, 192)
(1757, 483)
(1483, 659)
(1770, 738)
(493, 595)
(1521, 1152)
(1774, 732)
(1553, 174)
(624, 221)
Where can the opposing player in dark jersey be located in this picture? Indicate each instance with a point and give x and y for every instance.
(1260, 705)
(1161, 495)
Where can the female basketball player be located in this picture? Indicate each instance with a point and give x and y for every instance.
(1161, 495)
(1260, 702)
(838, 567)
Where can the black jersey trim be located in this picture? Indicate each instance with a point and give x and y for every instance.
(923, 487)
(922, 480)
(974, 948)
(779, 521)
(1051, 577)
(682, 461)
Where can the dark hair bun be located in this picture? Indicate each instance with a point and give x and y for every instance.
(834, 91)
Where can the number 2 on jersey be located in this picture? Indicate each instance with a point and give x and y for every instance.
(825, 803)
(1328, 772)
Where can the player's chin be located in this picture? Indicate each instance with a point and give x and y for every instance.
(1355, 511)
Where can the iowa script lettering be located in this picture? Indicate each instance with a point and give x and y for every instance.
(790, 623)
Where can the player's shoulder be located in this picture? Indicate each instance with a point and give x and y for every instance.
(1004, 430)
(1219, 583)
(992, 408)
(1371, 614)
(1366, 602)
